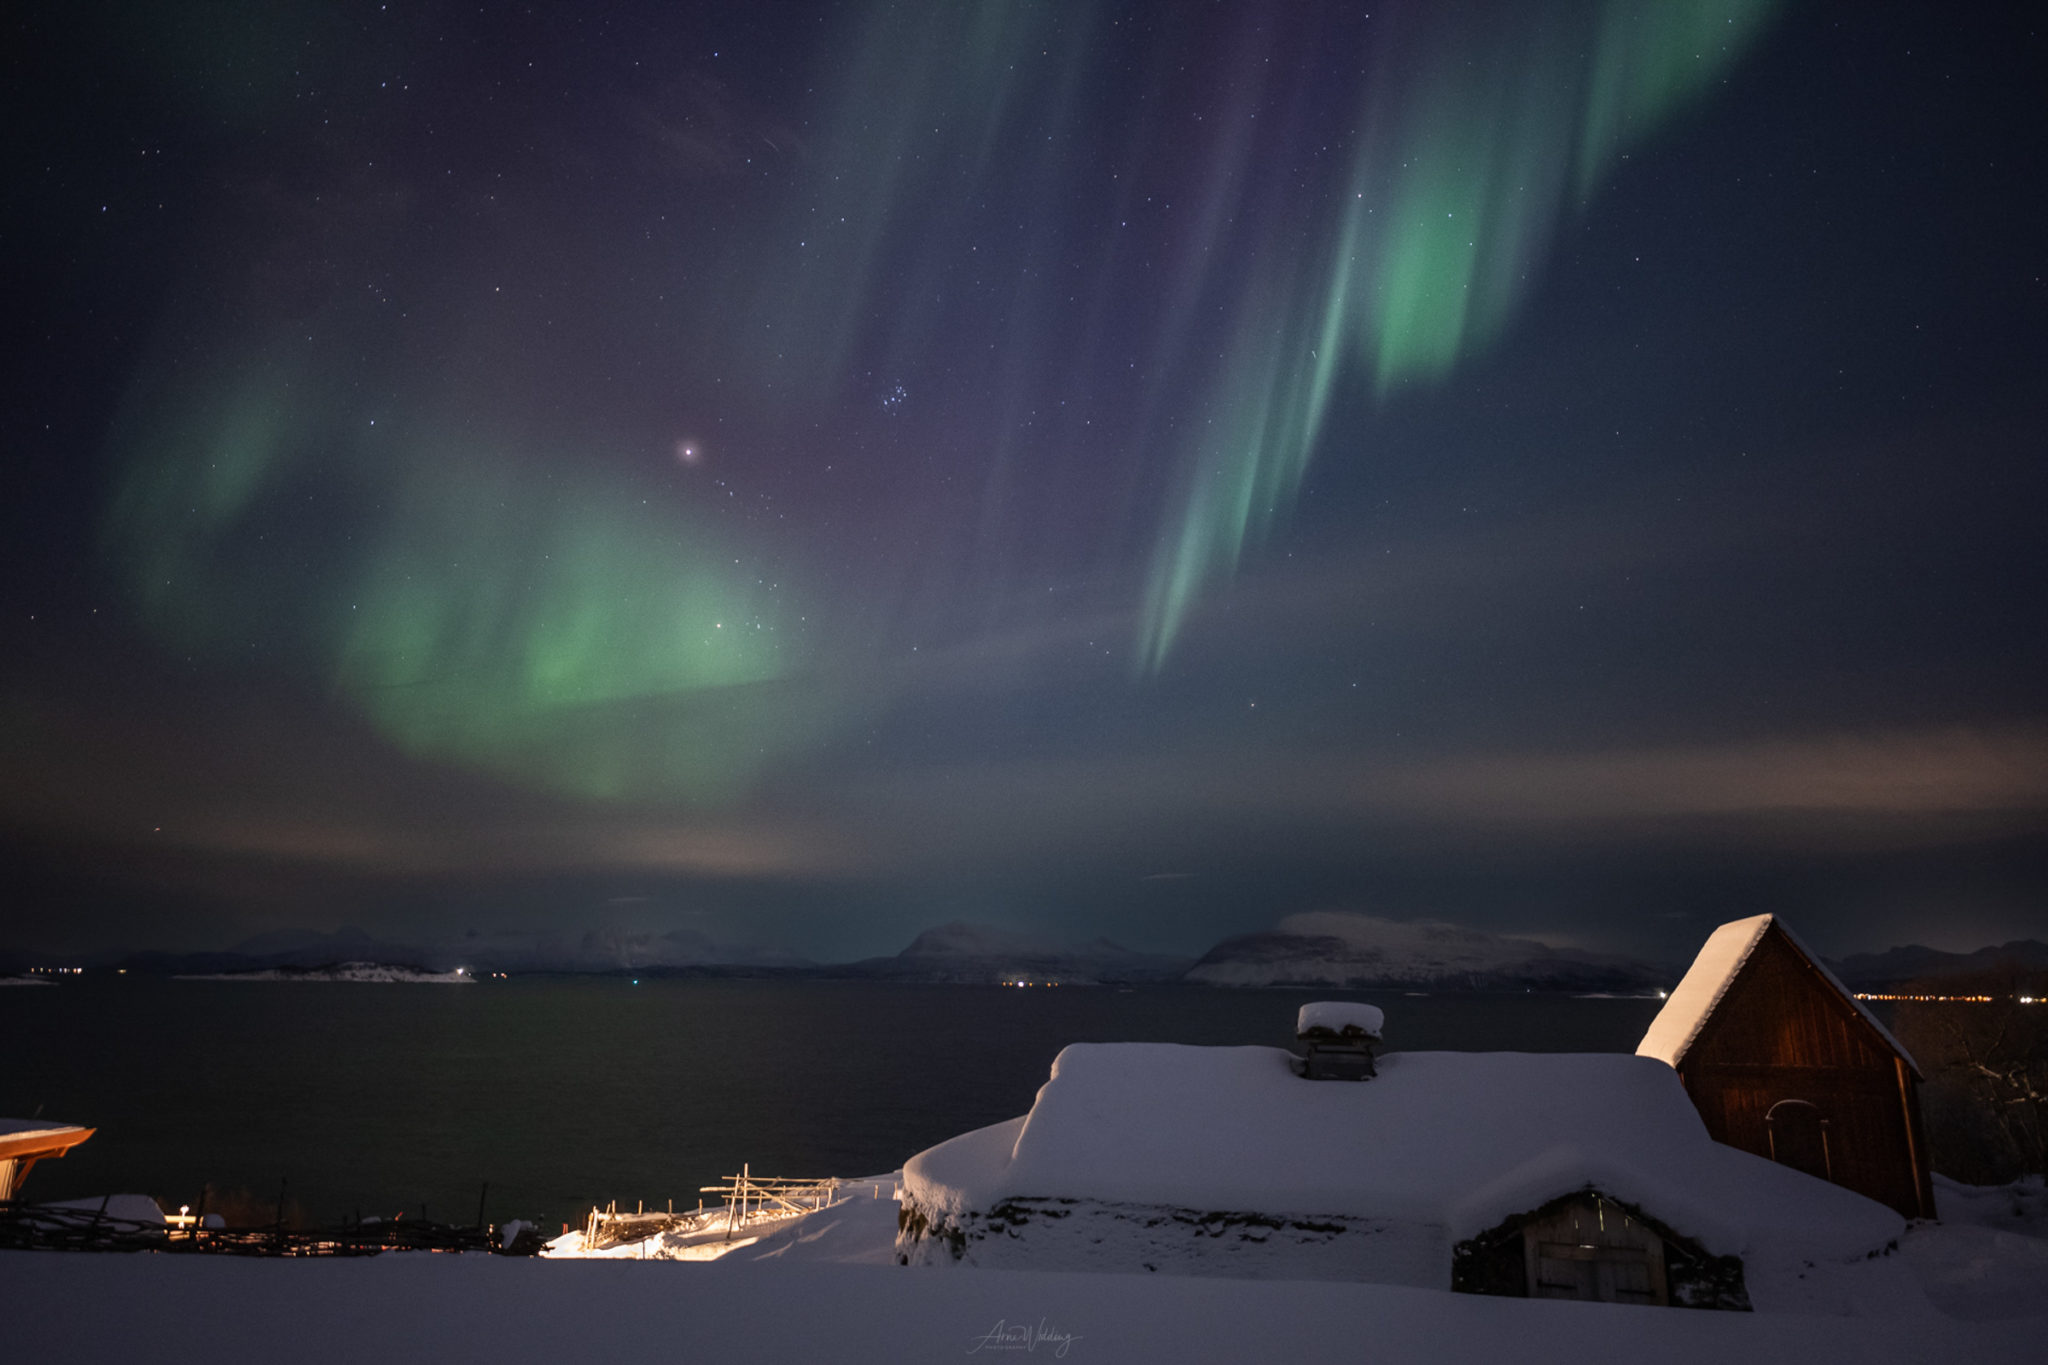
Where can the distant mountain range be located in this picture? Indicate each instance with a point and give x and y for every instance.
(2022, 959)
(1332, 948)
(969, 954)
(1322, 949)
(596, 950)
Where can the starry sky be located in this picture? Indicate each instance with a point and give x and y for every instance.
(800, 473)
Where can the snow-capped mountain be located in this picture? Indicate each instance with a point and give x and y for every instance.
(608, 949)
(1335, 948)
(969, 954)
(374, 973)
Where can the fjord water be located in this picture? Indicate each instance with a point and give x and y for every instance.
(562, 1092)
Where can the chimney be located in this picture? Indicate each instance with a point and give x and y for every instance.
(1338, 1038)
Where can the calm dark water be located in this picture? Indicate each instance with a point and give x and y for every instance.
(562, 1092)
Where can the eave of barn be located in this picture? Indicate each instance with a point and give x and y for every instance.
(1781, 1011)
(1696, 1008)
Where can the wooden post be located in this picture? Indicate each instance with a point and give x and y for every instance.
(1923, 1188)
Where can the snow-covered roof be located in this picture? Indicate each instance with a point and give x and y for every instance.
(134, 1208)
(1338, 1015)
(1677, 1026)
(33, 1137)
(1460, 1140)
(26, 1129)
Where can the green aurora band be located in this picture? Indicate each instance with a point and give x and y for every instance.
(1472, 131)
(474, 607)
(1456, 188)
(511, 603)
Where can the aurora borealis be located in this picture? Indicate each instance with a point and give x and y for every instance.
(1127, 467)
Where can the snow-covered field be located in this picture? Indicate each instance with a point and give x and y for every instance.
(1973, 1287)
(800, 1306)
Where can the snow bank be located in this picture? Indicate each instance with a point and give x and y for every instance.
(1987, 1259)
(224, 1310)
(1338, 1015)
(1455, 1142)
(967, 1172)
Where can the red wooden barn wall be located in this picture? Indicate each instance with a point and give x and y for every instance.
(1782, 1032)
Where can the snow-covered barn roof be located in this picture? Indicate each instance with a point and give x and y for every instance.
(1460, 1140)
(1677, 1026)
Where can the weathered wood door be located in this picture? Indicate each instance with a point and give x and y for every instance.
(1594, 1251)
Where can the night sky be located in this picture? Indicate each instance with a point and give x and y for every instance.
(802, 473)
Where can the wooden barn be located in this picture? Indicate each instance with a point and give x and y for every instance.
(1782, 1061)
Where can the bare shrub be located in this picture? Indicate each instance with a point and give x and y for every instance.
(1985, 1102)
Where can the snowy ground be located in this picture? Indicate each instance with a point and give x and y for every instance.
(826, 1287)
(1988, 1256)
(419, 1307)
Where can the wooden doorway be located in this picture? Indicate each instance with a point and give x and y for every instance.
(1798, 1134)
(1593, 1250)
